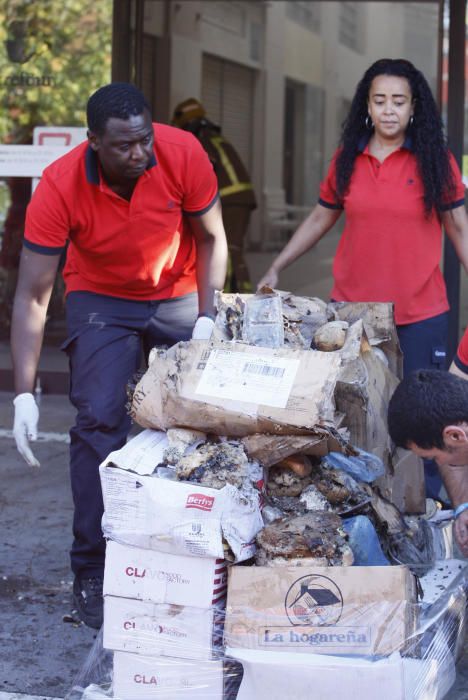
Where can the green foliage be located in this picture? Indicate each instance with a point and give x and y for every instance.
(62, 53)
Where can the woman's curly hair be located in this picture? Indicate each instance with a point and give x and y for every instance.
(428, 140)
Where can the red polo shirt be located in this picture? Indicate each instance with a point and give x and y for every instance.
(389, 251)
(137, 249)
(461, 358)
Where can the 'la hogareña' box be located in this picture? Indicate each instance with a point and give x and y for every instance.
(365, 611)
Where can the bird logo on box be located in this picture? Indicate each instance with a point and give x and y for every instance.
(314, 600)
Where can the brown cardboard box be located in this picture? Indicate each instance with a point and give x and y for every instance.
(352, 611)
(363, 391)
(237, 389)
(379, 325)
(404, 484)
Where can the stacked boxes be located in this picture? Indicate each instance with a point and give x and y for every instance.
(165, 577)
(162, 604)
(298, 631)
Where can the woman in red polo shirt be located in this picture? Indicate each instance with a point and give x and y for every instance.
(459, 365)
(398, 184)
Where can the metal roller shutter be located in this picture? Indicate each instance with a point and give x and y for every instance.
(227, 95)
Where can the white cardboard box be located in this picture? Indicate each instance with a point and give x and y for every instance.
(163, 578)
(278, 676)
(144, 678)
(173, 516)
(162, 630)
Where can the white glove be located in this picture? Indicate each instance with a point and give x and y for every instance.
(203, 328)
(25, 426)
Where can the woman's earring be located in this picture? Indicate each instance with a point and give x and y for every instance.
(369, 122)
(411, 120)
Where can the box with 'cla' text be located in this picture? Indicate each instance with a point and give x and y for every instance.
(131, 572)
(144, 678)
(154, 629)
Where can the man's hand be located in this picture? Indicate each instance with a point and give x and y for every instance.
(203, 328)
(460, 527)
(25, 426)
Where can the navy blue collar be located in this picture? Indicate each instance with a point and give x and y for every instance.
(365, 138)
(92, 167)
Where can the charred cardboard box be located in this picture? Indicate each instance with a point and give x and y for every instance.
(155, 629)
(352, 611)
(176, 517)
(237, 389)
(363, 390)
(204, 385)
(365, 382)
(171, 579)
(139, 677)
(379, 327)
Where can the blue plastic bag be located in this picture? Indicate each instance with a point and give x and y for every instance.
(364, 542)
(365, 467)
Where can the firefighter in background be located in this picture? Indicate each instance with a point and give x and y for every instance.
(235, 188)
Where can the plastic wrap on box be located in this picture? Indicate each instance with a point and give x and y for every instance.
(276, 675)
(153, 629)
(420, 665)
(139, 677)
(352, 611)
(144, 574)
(130, 676)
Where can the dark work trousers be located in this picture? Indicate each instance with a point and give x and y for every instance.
(106, 339)
(236, 219)
(424, 347)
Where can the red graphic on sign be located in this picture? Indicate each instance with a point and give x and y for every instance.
(63, 136)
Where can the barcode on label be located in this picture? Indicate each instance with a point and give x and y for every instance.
(265, 370)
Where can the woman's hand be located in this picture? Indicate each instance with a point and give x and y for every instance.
(311, 230)
(269, 279)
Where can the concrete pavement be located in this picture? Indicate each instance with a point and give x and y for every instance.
(40, 653)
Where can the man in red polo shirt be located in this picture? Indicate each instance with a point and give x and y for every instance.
(137, 205)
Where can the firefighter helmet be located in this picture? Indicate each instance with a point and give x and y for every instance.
(187, 111)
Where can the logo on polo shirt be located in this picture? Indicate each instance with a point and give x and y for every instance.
(170, 204)
(410, 181)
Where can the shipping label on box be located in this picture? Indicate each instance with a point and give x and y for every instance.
(178, 517)
(366, 611)
(143, 574)
(162, 630)
(144, 678)
(227, 375)
(237, 389)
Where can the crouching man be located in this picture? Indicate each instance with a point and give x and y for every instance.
(428, 414)
(137, 204)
